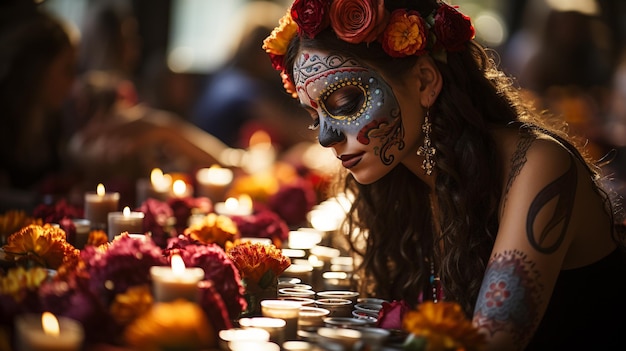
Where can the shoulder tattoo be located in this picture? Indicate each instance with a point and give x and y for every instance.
(509, 297)
(557, 197)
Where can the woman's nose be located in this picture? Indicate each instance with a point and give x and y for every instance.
(329, 136)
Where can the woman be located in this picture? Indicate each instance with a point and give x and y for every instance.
(455, 180)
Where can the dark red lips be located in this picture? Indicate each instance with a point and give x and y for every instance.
(351, 160)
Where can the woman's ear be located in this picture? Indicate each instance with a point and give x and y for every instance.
(429, 79)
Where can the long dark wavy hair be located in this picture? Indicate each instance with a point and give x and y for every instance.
(394, 213)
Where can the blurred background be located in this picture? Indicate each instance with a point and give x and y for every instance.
(174, 83)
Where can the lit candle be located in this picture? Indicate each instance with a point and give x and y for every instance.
(235, 207)
(274, 326)
(260, 155)
(240, 334)
(213, 182)
(176, 282)
(125, 221)
(285, 310)
(157, 187)
(181, 189)
(98, 205)
(304, 239)
(46, 332)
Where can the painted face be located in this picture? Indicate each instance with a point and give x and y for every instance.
(355, 110)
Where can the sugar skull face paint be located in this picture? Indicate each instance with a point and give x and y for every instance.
(349, 100)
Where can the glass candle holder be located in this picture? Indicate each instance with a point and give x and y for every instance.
(285, 310)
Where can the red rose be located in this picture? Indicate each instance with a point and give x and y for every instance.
(358, 21)
(452, 28)
(391, 315)
(311, 16)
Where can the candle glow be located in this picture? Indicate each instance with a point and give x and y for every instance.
(179, 188)
(178, 265)
(126, 211)
(50, 324)
(100, 190)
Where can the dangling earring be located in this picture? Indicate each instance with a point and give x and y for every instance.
(427, 150)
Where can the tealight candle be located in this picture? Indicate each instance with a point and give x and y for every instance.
(181, 189)
(176, 282)
(98, 205)
(285, 310)
(241, 334)
(46, 332)
(274, 326)
(235, 207)
(83, 227)
(213, 182)
(125, 221)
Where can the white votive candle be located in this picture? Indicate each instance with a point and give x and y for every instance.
(241, 334)
(274, 326)
(213, 182)
(176, 282)
(285, 310)
(125, 221)
(98, 204)
(241, 206)
(46, 332)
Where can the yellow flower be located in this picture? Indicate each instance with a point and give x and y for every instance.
(213, 228)
(45, 246)
(176, 325)
(254, 260)
(18, 279)
(97, 238)
(280, 37)
(134, 302)
(444, 326)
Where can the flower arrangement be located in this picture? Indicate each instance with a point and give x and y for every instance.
(400, 31)
(440, 326)
(213, 228)
(40, 245)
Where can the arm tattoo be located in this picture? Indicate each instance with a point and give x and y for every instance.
(563, 189)
(509, 296)
(518, 160)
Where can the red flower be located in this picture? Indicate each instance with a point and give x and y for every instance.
(392, 314)
(405, 35)
(311, 16)
(452, 28)
(358, 21)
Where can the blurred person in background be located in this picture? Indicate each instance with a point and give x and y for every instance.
(37, 69)
(245, 95)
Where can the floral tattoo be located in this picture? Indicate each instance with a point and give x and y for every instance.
(509, 296)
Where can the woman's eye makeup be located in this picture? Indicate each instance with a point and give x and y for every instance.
(344, 102)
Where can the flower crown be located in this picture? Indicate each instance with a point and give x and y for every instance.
(401, 32)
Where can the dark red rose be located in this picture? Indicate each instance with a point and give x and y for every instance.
(311, 16)
(452, 28)
(278, 61)
(392, 313)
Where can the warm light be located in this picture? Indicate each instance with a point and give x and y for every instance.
(178, 265)
(160, 181)
(126, 211)
(100, 190)
(215, 175)
(260, 139)
(231, 204)
(50, 324)
(245, 202)
(179, 188)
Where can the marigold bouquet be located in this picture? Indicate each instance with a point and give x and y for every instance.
(258, 263)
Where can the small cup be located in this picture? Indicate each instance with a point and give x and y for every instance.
(304, 301)
(339, 294)
(337, 307)
(311, 318)
(296, 292)
(368, 307)
(374, 337)
(345, 339)
(369, 318)
(253, 334)
(286, 310)
(345, 322)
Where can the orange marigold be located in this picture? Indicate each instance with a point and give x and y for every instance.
(213, 228)
(255, 260)
(44, 246)
(97, 238)
(14, 220)
(444, 326)
(134, 302)
(405, 35)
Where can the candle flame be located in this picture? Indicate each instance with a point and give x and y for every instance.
(179, 188)
(126, 211)
(50, 324)
(160, 182)
(231, 203)
(156, 175)
(245, 201)
(100, 190)
(178, 265)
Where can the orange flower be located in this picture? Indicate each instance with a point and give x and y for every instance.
(213, 228)
(14, 220)
(405, 35)
(131, 304)
(97, 238)
(280, 37)
(176, 325)
(41, 245)
(254, 261)
(444, 326)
